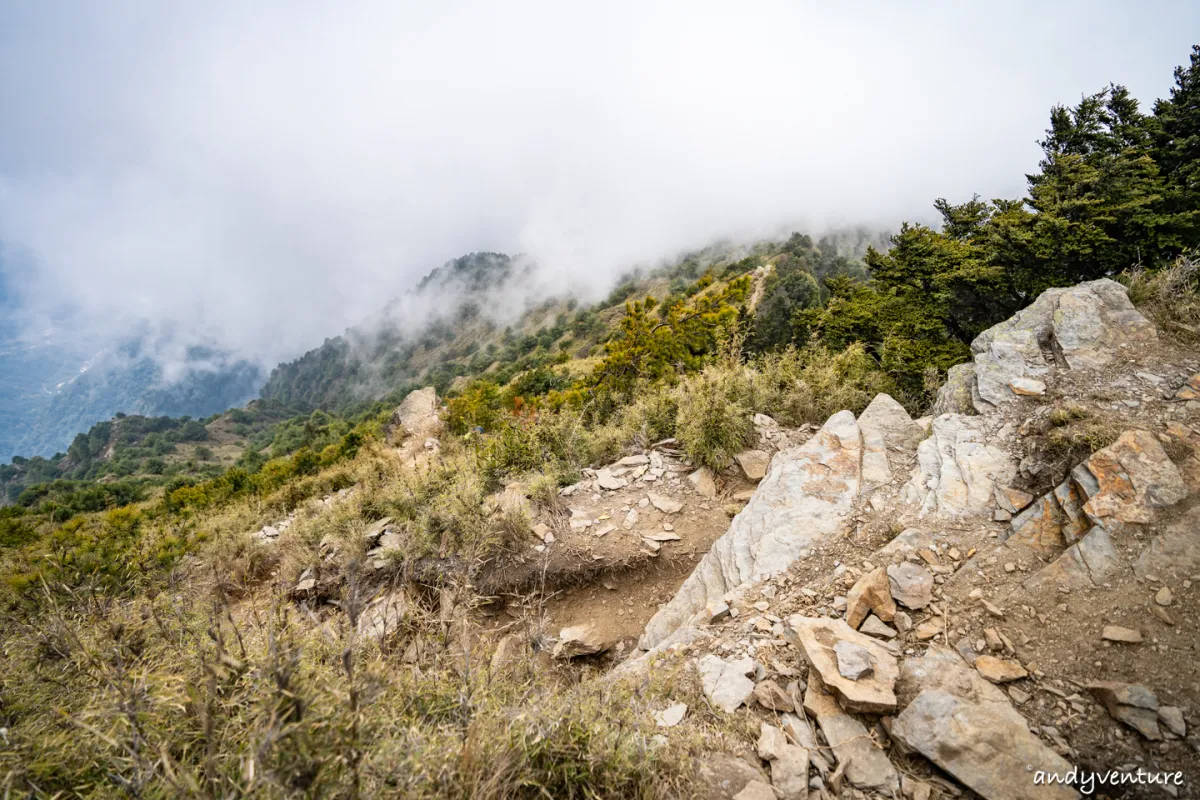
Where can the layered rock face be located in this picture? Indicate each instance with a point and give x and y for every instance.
(1126, 482)
(807, 495)
(958, 471)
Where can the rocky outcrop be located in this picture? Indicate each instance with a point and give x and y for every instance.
(968, 727)
(1088, 562)
(807, 495)
(417, 413)
(887, 418)
(885, 425)
(1082, 327)
(980, 562)
(958, 470)
(1127, 482)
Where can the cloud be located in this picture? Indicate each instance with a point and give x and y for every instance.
(261, 175)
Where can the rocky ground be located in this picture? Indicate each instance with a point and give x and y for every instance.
(941, 607)
(944, 607)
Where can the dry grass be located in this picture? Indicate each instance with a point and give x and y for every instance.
(178, 697)
(1170, 297)
(1073, 434)
(201, 677)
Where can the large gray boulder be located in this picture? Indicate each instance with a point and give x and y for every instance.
(1081, 327)
(417, 413)
(969, 728)
(807, 495)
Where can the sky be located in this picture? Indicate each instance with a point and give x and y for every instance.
(259, 175)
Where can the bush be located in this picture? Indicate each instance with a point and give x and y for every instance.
(809, 386)
(1170, 296)
(713, 422)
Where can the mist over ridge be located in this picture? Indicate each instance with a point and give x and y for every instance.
(262, 179)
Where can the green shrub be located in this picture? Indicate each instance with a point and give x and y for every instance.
(713, 422)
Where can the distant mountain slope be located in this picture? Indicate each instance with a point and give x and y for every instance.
(61, 372)
(53, 389)
(492, 313)
(393, 348)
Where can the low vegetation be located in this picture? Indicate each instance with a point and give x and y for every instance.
(153, 647)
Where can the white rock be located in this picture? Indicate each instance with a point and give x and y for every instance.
(417, 413)
(1087, 325)
(957, 470)
(670, 716)
(789, 773)
(665, 504)
(725, 683)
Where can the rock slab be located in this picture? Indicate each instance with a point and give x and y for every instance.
(724, 682)
(819, 639)
(969, 728)
(807, 495)
(866, 764)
